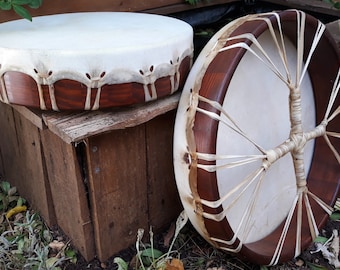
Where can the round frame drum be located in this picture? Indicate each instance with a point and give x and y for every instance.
(95, 60)
(256, 143)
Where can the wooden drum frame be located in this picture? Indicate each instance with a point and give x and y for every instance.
(260, 180)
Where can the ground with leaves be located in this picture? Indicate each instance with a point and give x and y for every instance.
(27, 243)
(191, 252)
(196, 254)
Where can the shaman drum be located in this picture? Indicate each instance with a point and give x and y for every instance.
(89, 61)
(256, 142)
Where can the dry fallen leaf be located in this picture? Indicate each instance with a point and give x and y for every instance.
(175, 264)
(299, 263)
(56, 245)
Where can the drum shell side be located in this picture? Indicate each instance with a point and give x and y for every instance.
(71, 95)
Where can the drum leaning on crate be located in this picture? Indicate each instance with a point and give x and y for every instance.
(256, 142)
(90, 61)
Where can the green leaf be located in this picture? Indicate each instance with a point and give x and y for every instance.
(335, 216)
(320, 239)
(47, 235)
(21, 201)
(5, 186)
(314, 266)
(5, 5)
(23, 12)
(21, 245)
(72, 255)
(51, 262)
(337, 5)
(149, 252)
(20, 2)
(122, 265)
(35, 3)
(149, 255)
(192, 2)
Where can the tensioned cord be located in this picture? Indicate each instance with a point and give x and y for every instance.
(294, 145)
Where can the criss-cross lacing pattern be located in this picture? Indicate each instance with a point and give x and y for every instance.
(294, 145)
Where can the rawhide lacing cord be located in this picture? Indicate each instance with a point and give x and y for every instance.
(294, 145)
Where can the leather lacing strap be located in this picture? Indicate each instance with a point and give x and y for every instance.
(3, 92)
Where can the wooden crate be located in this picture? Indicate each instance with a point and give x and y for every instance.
(99, 175)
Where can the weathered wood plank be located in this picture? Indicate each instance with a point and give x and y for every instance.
(164, 203)
(23, 163)
(29, 173)
(118, 188)
(74, 127)
(68, 193)
(32, 115)
(2, 172)
(67, 6)
(8, 144)
(184, 6)
(155, 6)
(149, 6)
(317, 6)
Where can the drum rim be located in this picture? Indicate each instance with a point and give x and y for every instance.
(208, 189)
(70, 94)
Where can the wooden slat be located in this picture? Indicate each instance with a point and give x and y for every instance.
(23, 163)
(33, 116)
(2, 169)
(156, 6)
(148, 6)
(67, 6)
(164, 204)
(317, 6)
(184, 6)
(118, 188)
(8, 143)
(69, 193)
(74, 127)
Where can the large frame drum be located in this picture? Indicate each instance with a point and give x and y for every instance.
(256, 144)
(95, 60)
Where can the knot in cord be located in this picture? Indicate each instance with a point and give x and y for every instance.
(266, 164)
(271, 156)
(299, 141)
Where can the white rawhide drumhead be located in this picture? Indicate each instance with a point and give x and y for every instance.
(256, 144)
(104, 59)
